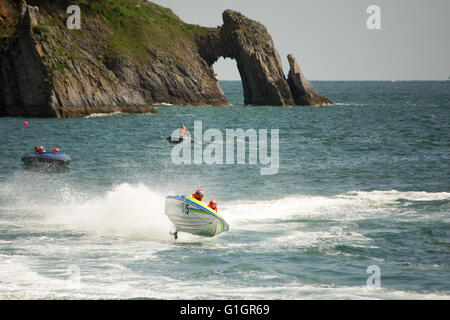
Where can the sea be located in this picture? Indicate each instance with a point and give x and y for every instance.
(358, 208)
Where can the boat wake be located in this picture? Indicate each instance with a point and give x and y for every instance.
(136, 211)
(131, 211)
(348, 206)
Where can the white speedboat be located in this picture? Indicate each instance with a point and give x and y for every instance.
(193, 216)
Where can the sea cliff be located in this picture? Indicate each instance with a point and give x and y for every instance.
(129, 56)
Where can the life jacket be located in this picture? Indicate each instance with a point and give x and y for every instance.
(195, 196)
(213, 204)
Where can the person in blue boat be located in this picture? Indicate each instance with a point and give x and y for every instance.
(38, 150)
(198, 195)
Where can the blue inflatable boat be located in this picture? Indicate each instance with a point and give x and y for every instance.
(52, 158)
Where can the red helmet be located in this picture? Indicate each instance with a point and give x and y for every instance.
(213, 203)
(198, 194)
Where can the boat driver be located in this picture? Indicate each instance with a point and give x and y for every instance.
(198, 195)
(38, 150)
(183, 130)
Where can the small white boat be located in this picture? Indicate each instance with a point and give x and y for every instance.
(193, 216)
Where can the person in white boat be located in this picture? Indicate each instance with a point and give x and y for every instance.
(182, 130)
(213, 205)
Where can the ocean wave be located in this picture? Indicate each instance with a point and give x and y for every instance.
(21, 281)
(162, 104)
(349, 206)
(118, 236)
(102, 115)
(354, 104)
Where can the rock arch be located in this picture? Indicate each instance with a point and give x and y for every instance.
(258, 62)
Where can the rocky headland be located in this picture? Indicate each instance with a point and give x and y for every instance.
(131, 55)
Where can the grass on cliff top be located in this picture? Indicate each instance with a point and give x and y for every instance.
(130, 28)
(138, 25)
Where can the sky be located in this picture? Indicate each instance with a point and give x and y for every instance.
(330, 38)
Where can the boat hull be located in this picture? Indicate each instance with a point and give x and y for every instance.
(177, 140)
(192, 216)
(57, 159)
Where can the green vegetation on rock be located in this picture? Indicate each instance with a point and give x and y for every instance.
(137, 26)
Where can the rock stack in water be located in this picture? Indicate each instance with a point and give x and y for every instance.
(302, 90)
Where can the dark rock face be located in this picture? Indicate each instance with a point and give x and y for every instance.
(50, 71)
(122, 85)
(259, 63)
(26, 82)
